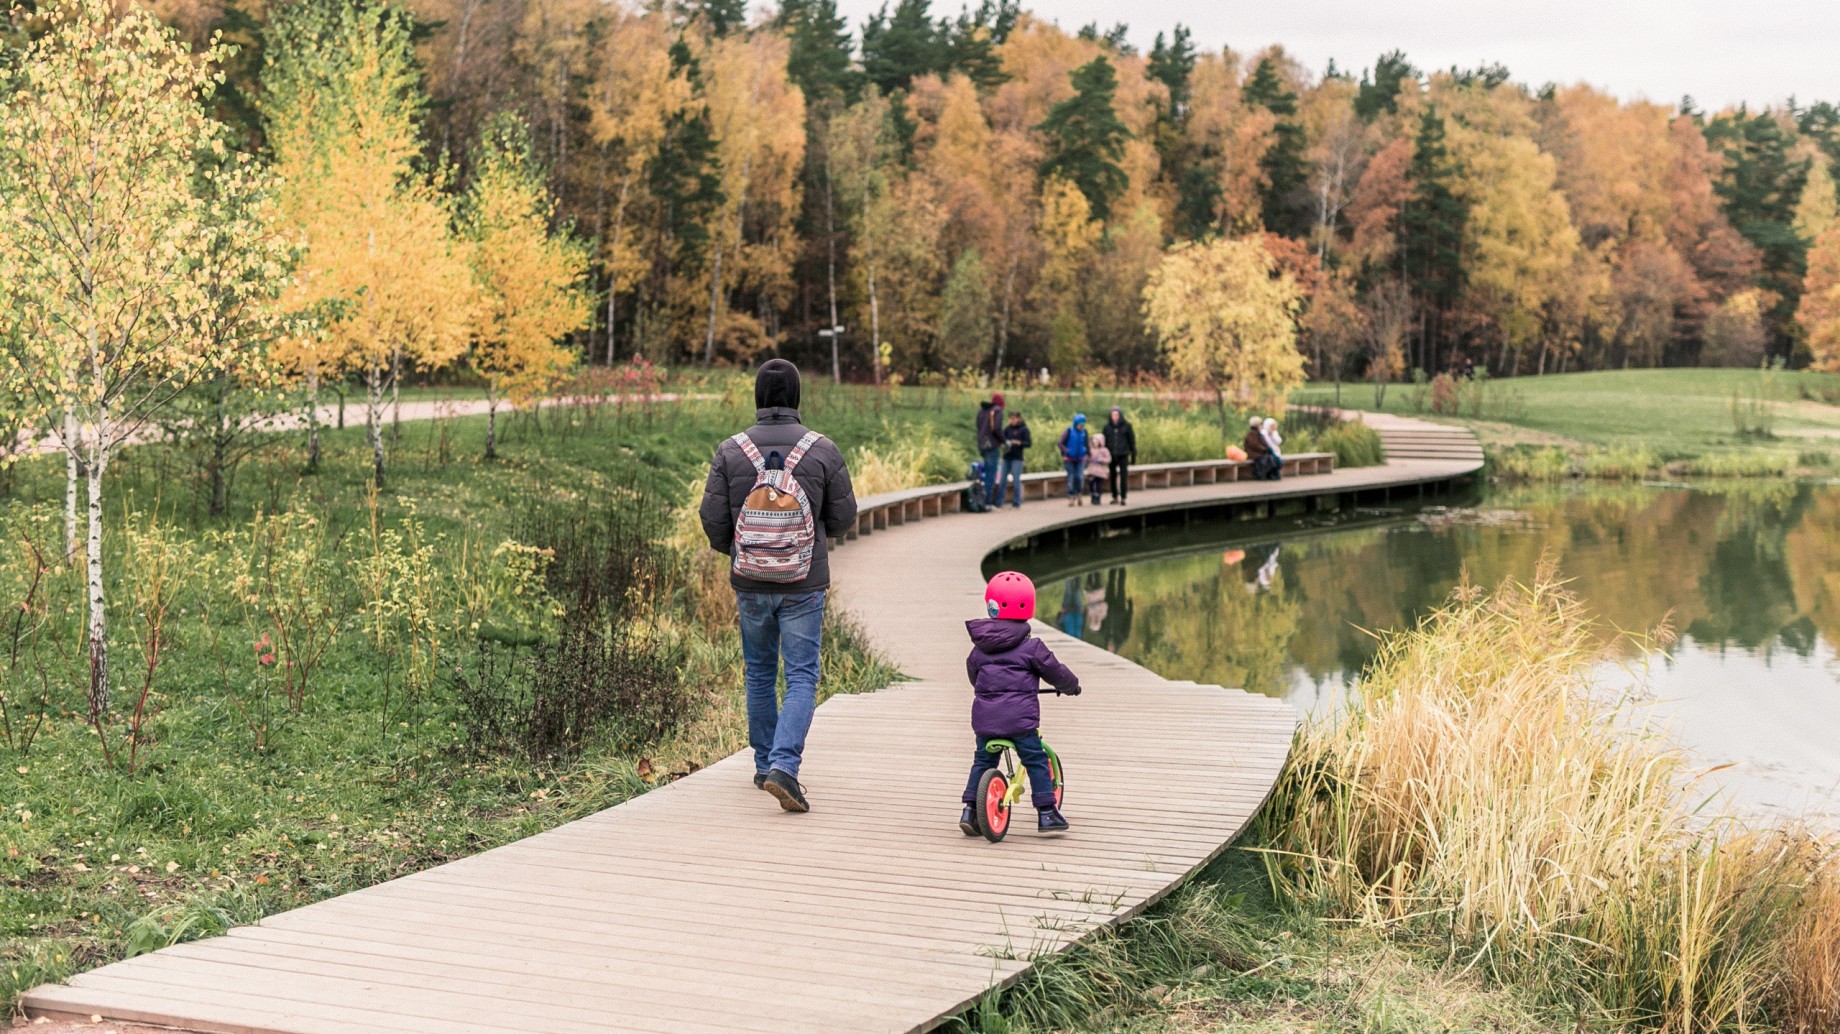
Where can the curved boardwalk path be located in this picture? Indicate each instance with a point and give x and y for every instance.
(701, 907)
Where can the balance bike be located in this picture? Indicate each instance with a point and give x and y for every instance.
(1000, 788)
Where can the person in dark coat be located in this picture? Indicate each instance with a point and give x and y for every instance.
(990, 445)
(1016, 442)
(1121, 438)
(1258, 453)
(780, 620)
(1006, 668)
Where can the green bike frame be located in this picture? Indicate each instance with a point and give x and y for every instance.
(1018, 779)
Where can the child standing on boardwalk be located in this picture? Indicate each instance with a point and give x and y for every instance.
(1098, 466)
(1006, 667)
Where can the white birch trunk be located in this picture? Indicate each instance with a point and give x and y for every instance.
(98, 603)
(312, 419)
(73, 473)
(491, 423)
(373, 418)
(396, 358)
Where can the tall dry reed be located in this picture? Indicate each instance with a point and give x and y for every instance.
(1485, 790)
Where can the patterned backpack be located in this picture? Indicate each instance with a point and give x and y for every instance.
(775, 534)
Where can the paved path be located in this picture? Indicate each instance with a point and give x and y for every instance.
(700, 907)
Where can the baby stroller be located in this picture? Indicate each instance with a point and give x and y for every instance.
(974, 494)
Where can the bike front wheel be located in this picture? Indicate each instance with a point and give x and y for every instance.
(991, 811)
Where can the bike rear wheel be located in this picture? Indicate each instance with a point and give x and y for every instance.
(1060, 778)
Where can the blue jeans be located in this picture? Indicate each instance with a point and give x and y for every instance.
(775, 626)
(1034, 761)
(1012, 474)
(991, 491)
(1076, 476)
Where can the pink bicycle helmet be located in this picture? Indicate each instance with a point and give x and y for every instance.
(1010, 595)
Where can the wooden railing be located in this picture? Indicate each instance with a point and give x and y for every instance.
(888, 509)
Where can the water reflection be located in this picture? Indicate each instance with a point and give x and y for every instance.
(1744, 574)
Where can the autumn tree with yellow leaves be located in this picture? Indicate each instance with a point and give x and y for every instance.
(529, 277)
(1226, 318)
(111, 173)
(381, 262)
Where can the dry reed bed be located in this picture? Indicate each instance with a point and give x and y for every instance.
(1486, 795)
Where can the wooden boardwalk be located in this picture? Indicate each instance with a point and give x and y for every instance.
(701, 907)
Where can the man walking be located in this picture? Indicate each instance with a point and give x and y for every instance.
(990, 446)
(1121, 438)
(1016, 442)
(781, 603)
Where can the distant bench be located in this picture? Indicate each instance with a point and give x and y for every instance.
(876, 512)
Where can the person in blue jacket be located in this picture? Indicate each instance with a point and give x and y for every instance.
(1074, 449)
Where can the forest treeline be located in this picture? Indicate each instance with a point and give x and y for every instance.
(932, 191)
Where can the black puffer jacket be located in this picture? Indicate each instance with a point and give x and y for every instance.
(821, 473)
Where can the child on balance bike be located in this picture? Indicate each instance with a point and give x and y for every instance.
(1006, 667)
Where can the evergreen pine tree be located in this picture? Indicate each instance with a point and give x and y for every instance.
(685, 177)
(1117, 38)
(900, 46)
(1283, 202)
(819, 62)
(1171, 64)
(1380, 93)
(1430, 231)
(1759, 187)
(1185, 162)
(972, 41)
(1198, 198)
(1086, 139)
(721, 16)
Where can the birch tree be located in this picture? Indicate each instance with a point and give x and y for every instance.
(100, 140)
(381, 258)
(528, 278)
(1226, 319)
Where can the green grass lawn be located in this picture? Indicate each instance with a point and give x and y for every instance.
(1677, 413)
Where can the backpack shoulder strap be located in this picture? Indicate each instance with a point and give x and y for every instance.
(798, 451)
(751, 451)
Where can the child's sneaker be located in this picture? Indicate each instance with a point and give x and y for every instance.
(1052, 821)
(966, 823)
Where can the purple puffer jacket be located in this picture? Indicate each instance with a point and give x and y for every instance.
(1006, 667)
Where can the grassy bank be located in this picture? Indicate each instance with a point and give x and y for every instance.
(1486, 843)
(1633, 423)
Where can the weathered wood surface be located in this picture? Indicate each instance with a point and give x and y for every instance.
(701, 907)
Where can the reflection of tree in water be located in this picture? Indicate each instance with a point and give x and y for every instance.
(1748, 564)
(1812, 553)
(1221, 626)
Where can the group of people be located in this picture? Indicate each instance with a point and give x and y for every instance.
(1094, 461)
(1264, 449)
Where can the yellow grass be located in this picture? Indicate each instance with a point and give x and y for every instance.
(1485, 789)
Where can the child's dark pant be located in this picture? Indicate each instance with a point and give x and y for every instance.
(1034, 759)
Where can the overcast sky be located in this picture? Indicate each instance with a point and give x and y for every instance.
(1721, 52)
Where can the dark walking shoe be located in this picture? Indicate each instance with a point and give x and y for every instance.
(760, 780)
(1052, 821)
(786, 789)
(966, 824)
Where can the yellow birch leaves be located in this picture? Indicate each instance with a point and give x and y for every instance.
(528, 278)
(1226, 320)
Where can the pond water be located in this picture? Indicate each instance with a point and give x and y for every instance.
(1746, 574)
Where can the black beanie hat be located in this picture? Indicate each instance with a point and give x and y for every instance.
(777, 384)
